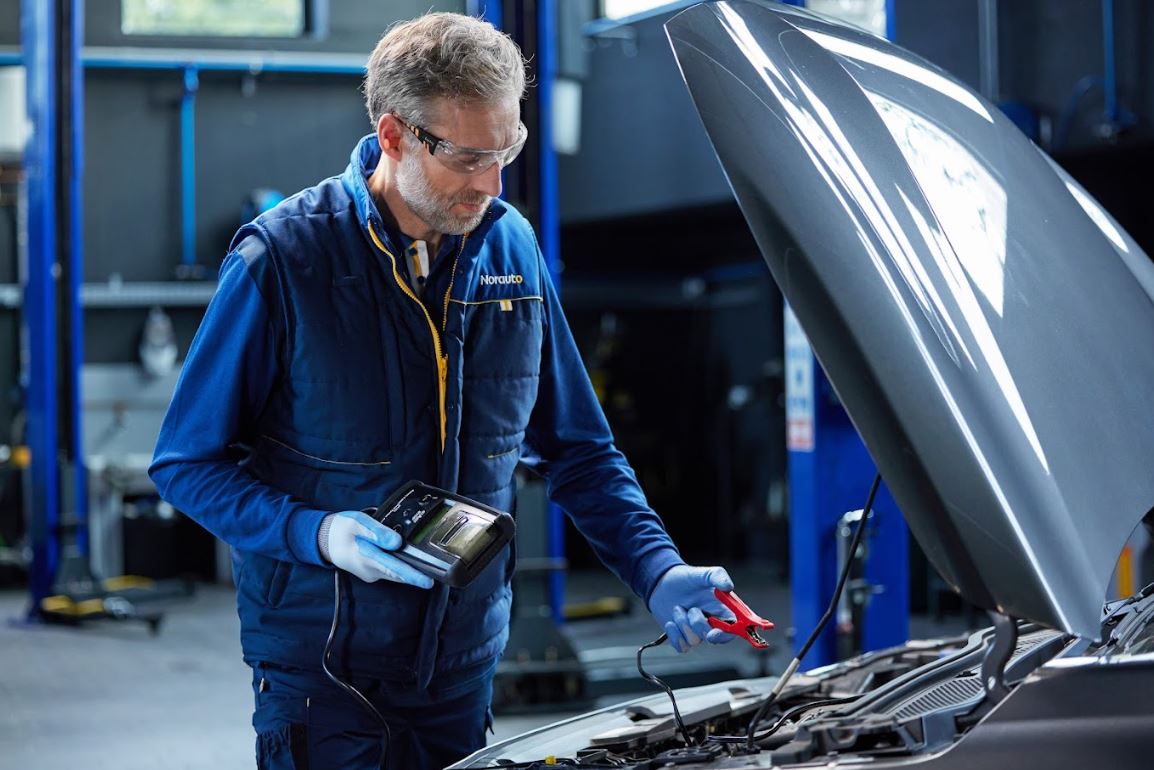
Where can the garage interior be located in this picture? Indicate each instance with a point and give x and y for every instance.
(135, 140)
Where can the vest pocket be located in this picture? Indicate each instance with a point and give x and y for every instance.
(504, 344)
(262, 581)
(322, 463)
(502, 454)
(277, 583)
(345, 482)
(486, 616)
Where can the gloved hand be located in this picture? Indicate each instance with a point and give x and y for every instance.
(682, 596)
(358, 543)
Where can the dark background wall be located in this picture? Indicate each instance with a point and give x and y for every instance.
(943, 31)
(9, 319)
(9, 22)
(278, 131)
(1048, 46)
(642, 145)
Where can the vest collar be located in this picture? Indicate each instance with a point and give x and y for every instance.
(362, 163)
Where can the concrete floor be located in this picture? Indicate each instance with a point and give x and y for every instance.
(109, 695)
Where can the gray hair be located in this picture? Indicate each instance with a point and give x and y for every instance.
(441, 55)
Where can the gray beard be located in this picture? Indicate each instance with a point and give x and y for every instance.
(431, 208)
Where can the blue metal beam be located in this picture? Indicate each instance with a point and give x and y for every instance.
(178, 60)
(1110, 81)
(222, 66)
(549, 233)
(38, 24)
(188, 166)
(548, 225)
(489, 10)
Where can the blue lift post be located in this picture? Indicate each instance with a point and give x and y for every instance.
(549, 233)
(49, 311)
(38, 22)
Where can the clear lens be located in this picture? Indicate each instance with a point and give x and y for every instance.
(464, 160)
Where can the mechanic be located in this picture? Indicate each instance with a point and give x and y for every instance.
(397, 322)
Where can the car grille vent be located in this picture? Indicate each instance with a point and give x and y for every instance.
(949, 693)
(1030, 641)
(1025, 644)
(964, 688)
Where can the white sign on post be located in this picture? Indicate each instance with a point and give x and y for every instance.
(799, 396)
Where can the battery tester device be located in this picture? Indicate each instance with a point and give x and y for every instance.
(446, 536)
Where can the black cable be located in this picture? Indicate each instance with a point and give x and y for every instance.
(387, 736)
(668, 691)
(821, 624)
(784, 718)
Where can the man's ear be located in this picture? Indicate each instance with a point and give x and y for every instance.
(389, 133)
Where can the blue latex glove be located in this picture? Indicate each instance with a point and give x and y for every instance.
(359, 544)
(682, 596)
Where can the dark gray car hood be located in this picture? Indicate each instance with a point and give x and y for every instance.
(989, 328)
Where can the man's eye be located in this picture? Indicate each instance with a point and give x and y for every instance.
(467, 158)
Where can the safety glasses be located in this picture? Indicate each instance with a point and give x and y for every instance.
(467, 160)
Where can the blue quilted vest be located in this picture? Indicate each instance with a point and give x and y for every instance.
(374, 390)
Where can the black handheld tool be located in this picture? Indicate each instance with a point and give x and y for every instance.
(446, 536)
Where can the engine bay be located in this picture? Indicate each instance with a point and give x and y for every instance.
(902, 702)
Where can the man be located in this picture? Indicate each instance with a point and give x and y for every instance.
(398, 323)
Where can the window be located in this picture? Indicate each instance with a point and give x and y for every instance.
(214, 18)
(869, 15)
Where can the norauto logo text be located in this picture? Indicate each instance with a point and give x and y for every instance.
(503, 280)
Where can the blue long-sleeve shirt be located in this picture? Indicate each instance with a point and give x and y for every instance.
(243, 347)
(318, 381)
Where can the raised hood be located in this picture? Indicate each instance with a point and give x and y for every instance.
(989, 328)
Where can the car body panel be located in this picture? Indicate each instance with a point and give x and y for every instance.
(989, 328)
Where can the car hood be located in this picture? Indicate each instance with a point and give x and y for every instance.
(988, 327)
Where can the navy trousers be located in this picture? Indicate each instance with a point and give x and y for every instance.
(305, 722)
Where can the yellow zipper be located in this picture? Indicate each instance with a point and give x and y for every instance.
(452, 277)
(442, 359)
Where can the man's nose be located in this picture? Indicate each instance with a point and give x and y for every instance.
(489, 181)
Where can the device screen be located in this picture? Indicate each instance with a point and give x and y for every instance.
(432, 522)
(468, 540)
